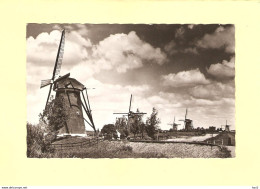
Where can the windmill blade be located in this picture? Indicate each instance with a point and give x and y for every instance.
(87, 99)
(57, 66)
(45, 82)
(138, 113)
(48, 95)
(186, 113)
(130, 103)
(58, 62)
(127, 125)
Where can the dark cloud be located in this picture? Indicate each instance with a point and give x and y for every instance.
(224, 70)
(221, 38)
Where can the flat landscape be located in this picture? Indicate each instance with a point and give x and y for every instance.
(125, 149)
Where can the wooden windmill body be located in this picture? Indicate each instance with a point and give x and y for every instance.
(174, 125)
(71, 92)
(69, 89)
(227, 127)
(188, 125)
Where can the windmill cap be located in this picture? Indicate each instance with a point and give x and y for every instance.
(69, 83)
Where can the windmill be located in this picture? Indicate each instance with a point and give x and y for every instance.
(174, 125)
(227, 127)
(187, 122)
(72, 92)
(130, 114)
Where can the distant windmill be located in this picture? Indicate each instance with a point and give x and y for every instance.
(174, 125)
(227, 127)
(71, 90)
(130, 114)
(187, 122)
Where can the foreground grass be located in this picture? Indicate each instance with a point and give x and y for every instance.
(181, 150)
(120, 149)
(105, 149)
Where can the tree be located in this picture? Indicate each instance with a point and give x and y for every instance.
(152, 124)
(55, 115)
(135, 126)
(109, 130)
(37, 141)
(142, 129)
(121, 126)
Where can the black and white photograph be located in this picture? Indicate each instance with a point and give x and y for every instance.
(130, 90)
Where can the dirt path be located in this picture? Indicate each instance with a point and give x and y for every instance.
(193, 138)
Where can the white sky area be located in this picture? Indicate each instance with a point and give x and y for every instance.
(210, 102)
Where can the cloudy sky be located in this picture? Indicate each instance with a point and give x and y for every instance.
(169, 67)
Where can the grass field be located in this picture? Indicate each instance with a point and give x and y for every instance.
(180, 150)
(125, 149)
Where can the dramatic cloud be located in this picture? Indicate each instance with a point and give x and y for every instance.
(42, 50)
(125, 51)
(223, 70)
(82, 59)
(173, 49)
(79, 28)
(214, 91)
(191, 50)
(221, 38)
(82, 29)
(185, 79)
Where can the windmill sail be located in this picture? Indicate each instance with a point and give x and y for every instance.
(60, 55)
(130, 114)
(130, 103)
(44, 83)
(57, 66)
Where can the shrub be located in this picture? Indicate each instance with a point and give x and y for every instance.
(37, 141)
(126, 148)
(122, 136)
(147, 138)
